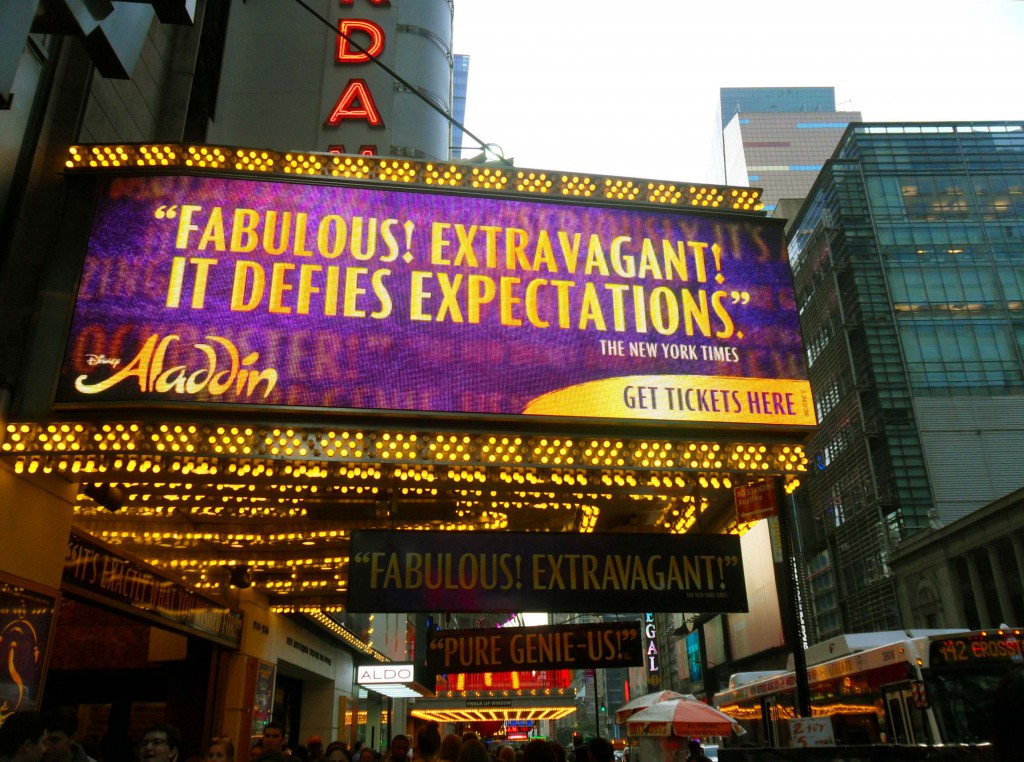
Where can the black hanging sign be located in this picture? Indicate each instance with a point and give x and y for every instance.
(520, 571)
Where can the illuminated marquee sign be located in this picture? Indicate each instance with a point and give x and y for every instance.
(94, 570)
(651, 652)
(516, 571)
(229, 291)
(360, 40)
(535, 648)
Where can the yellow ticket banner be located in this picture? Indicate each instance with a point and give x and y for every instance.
(705, 399)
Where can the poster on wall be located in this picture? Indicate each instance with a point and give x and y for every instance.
(27, 613)
(225, 291)
(263, 697)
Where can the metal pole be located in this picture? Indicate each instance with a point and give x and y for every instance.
(597, 707)
(790, 614)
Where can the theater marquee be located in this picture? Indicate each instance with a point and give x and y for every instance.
(228, 291)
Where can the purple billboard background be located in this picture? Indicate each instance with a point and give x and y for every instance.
(396, 362)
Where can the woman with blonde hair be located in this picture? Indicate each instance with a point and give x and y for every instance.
(221, 750)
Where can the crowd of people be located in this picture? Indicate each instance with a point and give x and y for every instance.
(35, 737)
(429, 746)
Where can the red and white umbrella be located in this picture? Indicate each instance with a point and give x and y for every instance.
(640, 703)
(681, 717)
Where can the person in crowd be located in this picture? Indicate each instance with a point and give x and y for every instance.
(1007, 709)
(366, 754)
(61, 742)
(506, 754)
(300, 752)
(221, 750)
(428, 741)
(315, 747)
(336, 751)
(160, 743)
(538, 751)
(451, 745)
(271, 756)
(273, 737)
(601, 750)
(398, 751)
(695, 752)
(473, 750)
(560, 753)
(255, 750)
(23, 737)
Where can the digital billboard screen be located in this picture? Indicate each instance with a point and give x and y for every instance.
(226, 291)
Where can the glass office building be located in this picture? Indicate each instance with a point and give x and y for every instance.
(908, 259)
(776, 138)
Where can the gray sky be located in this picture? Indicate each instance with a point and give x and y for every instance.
(631, 87)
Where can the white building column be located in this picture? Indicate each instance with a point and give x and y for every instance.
(953, 613)
(978, 591)
(1018, 554)
(1005, 604)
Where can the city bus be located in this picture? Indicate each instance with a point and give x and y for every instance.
(896, 687)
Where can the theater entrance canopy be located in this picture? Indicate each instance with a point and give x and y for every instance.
(269, 351)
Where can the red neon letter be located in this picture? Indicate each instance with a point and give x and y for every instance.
(346, 27)
(364, 150)
(355, 102)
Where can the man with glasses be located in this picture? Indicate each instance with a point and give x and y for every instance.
(160, 743)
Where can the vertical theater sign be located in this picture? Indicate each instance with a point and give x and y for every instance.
(360, 40)
(651, 657)
(341, 76)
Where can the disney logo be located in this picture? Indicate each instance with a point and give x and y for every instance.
(113, 362)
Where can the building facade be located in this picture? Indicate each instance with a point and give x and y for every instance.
(969, 573)
(159, 73)
(777, 138)
(908, 259)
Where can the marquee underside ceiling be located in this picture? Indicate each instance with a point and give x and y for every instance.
(196, 499)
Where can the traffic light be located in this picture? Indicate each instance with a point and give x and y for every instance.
(603, 708)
